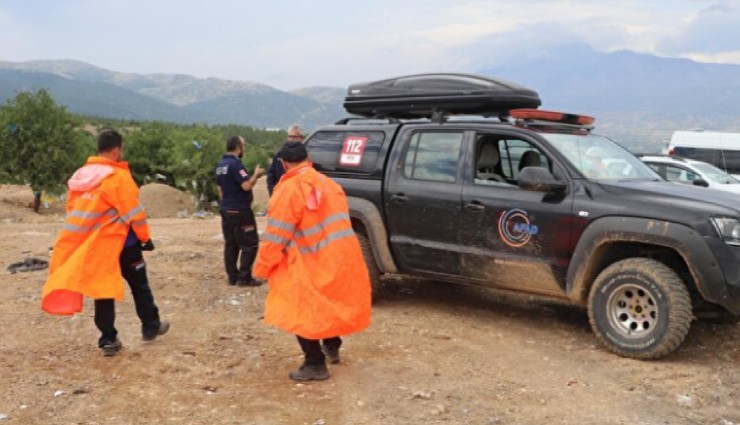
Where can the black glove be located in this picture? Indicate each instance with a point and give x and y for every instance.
(147, 246)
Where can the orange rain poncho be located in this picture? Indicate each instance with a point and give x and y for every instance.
(319, 284)
(102, 204)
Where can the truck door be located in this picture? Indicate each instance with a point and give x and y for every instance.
(423, 199)
(512, 237)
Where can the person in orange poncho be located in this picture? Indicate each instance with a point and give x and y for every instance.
(104, 234)
(319, 286)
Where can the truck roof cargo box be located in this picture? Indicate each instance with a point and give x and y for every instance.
(421, 95)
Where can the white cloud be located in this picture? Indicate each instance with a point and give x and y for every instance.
(291, 44)
(339, 62)
(712, 34)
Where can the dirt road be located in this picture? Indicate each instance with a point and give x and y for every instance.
(435, 354)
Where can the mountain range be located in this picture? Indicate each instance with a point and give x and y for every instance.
(638, 99)
(89, 90)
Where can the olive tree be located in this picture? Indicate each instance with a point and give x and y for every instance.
(41, 143)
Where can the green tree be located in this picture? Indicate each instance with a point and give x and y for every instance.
(41, 143)
(148, 150)
(196, 155)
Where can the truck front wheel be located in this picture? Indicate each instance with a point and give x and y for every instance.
(640, 308)
(372, 267)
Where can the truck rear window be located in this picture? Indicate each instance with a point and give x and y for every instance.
(345, 151)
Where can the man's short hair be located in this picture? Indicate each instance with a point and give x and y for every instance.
(232, 143)
(108, 140)
(293, 152)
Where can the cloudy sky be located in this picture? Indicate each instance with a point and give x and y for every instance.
(292, 44)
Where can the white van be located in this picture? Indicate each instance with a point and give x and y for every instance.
(719, 149)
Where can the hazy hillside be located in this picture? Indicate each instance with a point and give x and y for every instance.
(633, 96)
(188, 91)
(173, 97)
(94, 98)
(328, 95)
(270, 109)
(638, 99)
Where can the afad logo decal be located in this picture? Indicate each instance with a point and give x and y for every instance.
(515, 228)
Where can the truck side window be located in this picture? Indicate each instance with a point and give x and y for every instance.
(433, 156)
(517, 154)
(488, 161)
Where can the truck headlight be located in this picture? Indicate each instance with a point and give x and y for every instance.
(728, 229)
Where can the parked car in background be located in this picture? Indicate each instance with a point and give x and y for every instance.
(690, 171)
(719, 149)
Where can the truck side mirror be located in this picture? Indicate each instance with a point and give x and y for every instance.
(540, 180)
(700, 182)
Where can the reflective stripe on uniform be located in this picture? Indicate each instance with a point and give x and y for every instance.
(126, 217)
(321, 226)
(86, 215)
(322, 243)
(80, 229)
(91, 228)
(316, 228)
(288, 227)
(275, 238)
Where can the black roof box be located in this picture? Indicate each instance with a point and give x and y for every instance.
(422, 95)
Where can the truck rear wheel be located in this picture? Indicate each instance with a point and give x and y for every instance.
(372, 267)
(640, 308)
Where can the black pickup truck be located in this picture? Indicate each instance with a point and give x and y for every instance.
(531, 201)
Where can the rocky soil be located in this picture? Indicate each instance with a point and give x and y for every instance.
(435, 354)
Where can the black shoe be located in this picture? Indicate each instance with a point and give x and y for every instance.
(111, 348)
(163, 328)
(231, 282)
(310, 373)
(331, 353)
(251, 282)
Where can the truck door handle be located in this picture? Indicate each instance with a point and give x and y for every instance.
(475, 206)
(400, 198)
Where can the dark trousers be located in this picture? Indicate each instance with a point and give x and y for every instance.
(240, 235)
(312, 348)
(133, 269)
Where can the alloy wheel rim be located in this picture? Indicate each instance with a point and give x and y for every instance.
(632, 311)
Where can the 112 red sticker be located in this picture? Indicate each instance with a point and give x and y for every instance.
(352, 150)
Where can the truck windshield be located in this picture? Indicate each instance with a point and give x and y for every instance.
(599, 158)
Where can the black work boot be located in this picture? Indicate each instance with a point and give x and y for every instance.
(310, 373)
(331, 353)
(111, 348)
(163, 328)
(250, 282)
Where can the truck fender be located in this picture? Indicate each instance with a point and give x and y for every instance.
(367, 213)
(689, 244)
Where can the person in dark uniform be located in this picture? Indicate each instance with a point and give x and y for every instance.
(276, 170)
(237, 219)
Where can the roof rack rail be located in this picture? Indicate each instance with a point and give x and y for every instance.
(551, 124)
(345, 121)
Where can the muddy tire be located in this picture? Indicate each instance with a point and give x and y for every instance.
(372, 266)
(640, 308)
